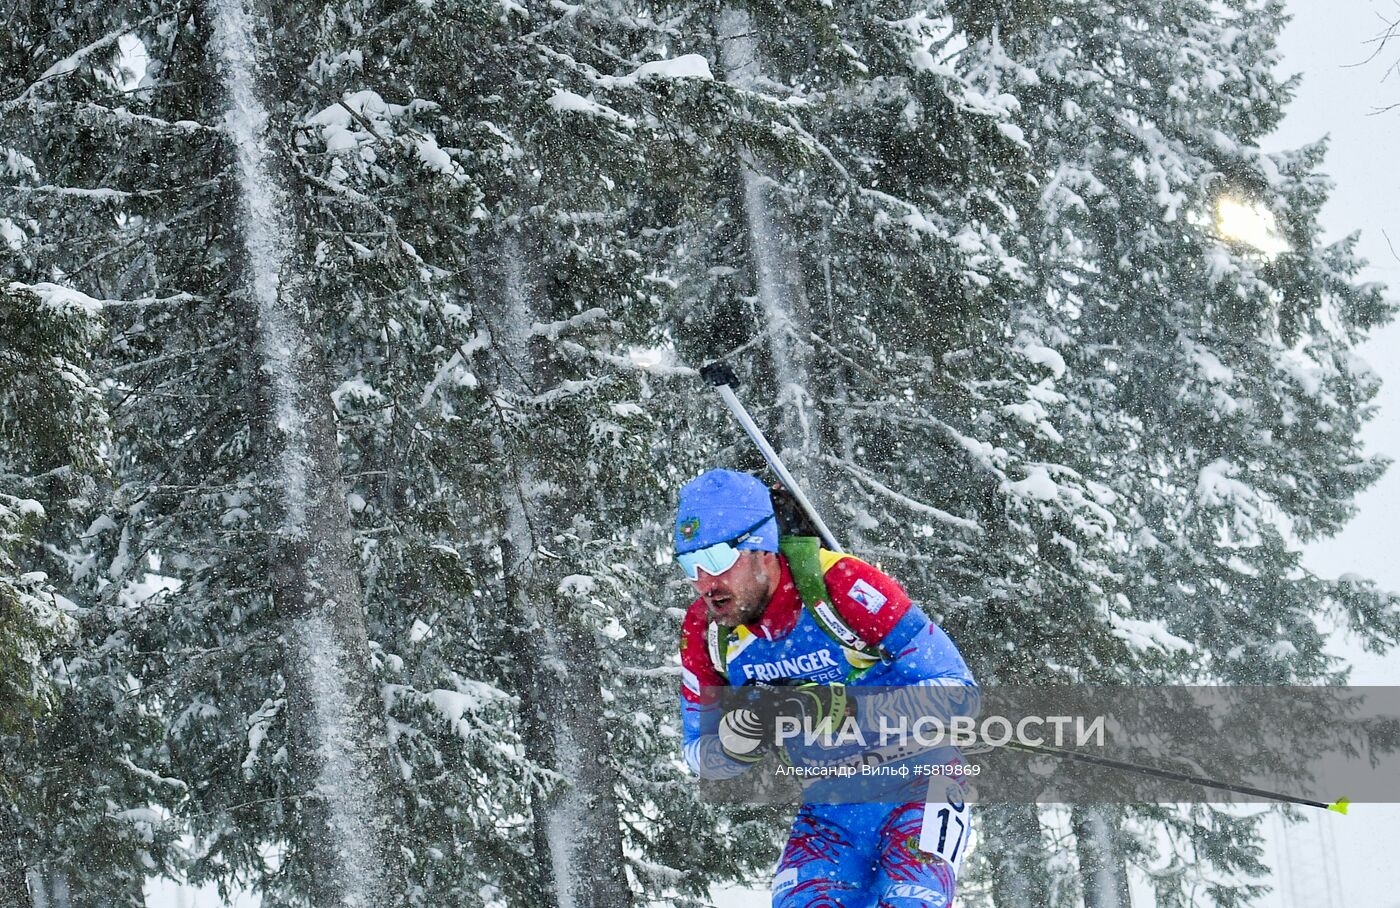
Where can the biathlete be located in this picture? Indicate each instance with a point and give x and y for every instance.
(784, 612)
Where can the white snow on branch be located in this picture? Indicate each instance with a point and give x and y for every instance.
(567, 102)
(359, 390)
(688, 66)
(11, 234)
(360, 117)
(1307, 374)
(577, 585)
(98, 194)
(21, 507)
(154, 778)
(18, 165)
(1148, 635)
(997, 105)
(454, 367)
(567, 390)
(1041, 355)
(923, 61)
(62, 300)
(1037, 486)
(552, 330)
(257, 732)
(437, 159)
(469, 697)
(1218, 487)
(987, 455)
(919, 507)
(1207, 364)
(90, 112)
(145, 820)
(1033, 413)
(651, 360)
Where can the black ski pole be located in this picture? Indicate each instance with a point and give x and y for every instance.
(724, 381)
(1338, 806)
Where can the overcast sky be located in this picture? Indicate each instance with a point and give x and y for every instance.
(1329, 43)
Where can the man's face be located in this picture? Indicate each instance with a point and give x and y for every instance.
(740, 594)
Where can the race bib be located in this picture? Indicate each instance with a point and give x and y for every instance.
(947, 823)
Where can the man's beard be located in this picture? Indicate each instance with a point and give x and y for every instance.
(752, 611)
(743, 611)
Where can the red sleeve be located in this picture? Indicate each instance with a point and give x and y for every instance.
(869, 600)
(697, 671)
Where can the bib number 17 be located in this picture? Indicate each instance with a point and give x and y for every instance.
(946, 828)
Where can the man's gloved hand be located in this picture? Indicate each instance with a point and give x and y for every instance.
(822, 708)
(749, 730)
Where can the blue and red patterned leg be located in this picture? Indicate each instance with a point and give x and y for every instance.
(908, 877)
(829, 861)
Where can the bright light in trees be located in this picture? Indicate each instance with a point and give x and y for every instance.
(132, 61)
(1251, 224)
(651, 358)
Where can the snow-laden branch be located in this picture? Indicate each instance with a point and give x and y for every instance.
(346, 192)
(137, 365)
(660, 671)
(905, 501)
(154, 778)
(70, 63)
(89, 112)
(100, 194)
(983, 454)
(568, 390)
(480, 341)
(148, 301)
(552, 330)
(628, 363)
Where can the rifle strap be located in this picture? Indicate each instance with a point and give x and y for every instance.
(808, 563)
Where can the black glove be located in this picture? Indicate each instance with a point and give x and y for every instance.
(749, 730)
(792, 520)
(813, 706)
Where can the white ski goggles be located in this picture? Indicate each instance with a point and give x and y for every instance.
(718, 558)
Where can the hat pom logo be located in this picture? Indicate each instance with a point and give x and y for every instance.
(690, 528)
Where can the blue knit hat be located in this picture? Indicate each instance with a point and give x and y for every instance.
(718, 506)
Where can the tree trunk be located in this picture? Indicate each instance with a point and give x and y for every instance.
(577, 829)
(777, 277)
(339, 743)
(1102, 872)
(38, 891)
(14, 876)
(49, 888)
(1017, 854)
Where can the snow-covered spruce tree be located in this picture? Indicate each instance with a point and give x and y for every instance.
(543, 281)
(1209, 390)
(373, 184)
(85, 769)
(199, 432)
(52, 430)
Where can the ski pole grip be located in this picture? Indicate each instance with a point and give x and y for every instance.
(719, 373)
